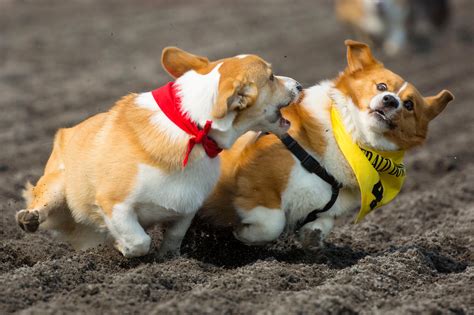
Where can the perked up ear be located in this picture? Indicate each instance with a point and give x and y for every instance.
(234, 94)
(177, 62)
(359, 56)
(437, 103)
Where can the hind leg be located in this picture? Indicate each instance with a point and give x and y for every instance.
(260, 225)
(45, 197)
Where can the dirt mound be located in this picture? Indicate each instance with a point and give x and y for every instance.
(61, 62)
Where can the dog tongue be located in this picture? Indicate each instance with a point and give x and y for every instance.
(284, 123)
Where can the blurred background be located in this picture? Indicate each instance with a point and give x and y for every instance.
(63, 61)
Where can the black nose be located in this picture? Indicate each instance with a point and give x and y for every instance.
(299, 87)
(389, 101)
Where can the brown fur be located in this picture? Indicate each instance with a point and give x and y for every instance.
(359, 82)
(94, 165)
(255, 172)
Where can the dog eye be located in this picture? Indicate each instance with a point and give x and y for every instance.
(272, 77)
(381, 87)
(408, 105)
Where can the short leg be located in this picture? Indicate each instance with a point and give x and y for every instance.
(260, 225)
(130, 237)
(47, 196)
(313, 233)
(171, 244)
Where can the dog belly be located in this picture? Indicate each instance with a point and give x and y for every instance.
(150, 214)
(160, 196)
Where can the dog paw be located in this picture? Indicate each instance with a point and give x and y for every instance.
(134, 249)
(28, 220)
(168, 253)
(312, 240)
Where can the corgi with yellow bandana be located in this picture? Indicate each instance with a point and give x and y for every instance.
(344, 150)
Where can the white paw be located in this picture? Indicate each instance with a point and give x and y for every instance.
(312, 234)
(312, 240)
(260, 225)
(135, 248)
(252, 234)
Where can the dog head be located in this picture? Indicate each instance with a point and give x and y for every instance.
(238, 94)
(388, 112)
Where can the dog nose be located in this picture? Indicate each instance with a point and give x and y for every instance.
(390, 101)
(299, 87)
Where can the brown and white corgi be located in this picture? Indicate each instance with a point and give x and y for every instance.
(393, 23)
(117, 173)
(264, 189)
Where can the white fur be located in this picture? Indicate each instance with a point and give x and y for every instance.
(402, 88)
(178, 192)
(324, 224)
(306, 191)
(198, 94)
(130, 237)
(359, 124)
(260, 225)
(159, 119)
(159, 196)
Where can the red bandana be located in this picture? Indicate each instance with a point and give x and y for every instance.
(170, 104)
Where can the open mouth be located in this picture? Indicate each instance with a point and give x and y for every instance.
(381, 116)
(282, 122)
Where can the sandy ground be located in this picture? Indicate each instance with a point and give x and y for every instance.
(62, 61)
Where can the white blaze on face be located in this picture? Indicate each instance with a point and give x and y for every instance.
(402, 88)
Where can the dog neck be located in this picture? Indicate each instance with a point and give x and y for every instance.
(314, 123)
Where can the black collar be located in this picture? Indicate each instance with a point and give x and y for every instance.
(312, 166)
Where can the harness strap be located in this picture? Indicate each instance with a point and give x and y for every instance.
(312, 166)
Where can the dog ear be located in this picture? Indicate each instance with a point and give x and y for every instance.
(177, 61)
(359, 56)
(437, 103)
(234, 94)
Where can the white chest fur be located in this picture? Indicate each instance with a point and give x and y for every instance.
(306, 191)
(159, 195)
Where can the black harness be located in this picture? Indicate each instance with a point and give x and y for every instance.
(312, 166)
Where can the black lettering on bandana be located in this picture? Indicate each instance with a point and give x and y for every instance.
(377, 191)
(384, 165)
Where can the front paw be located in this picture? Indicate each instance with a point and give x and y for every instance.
(168, 253)
(28, 220)
(312, 240)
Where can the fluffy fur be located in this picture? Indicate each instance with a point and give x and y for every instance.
(263, 187)
(117, 173)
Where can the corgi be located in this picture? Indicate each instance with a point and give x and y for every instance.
(392, 24)
(152, 157)
(266, 189)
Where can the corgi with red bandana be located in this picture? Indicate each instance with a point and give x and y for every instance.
(344, 149)
(152, 158)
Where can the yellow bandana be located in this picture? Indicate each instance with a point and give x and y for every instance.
(380, 174)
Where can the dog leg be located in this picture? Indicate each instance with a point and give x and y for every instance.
(313, 233)
(130, 237)
(260, 225)
(47, 196)
(171, 244)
